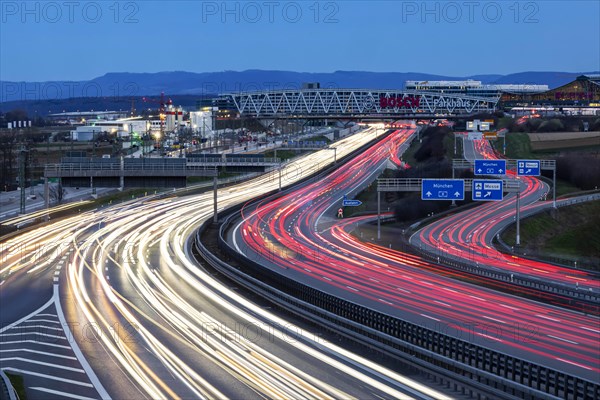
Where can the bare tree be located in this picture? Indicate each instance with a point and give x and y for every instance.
(56, 194)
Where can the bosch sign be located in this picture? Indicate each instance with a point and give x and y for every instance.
(399, 102)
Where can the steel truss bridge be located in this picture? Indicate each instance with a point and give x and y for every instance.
(357, 103)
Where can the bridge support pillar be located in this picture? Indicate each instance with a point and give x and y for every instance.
(279, 169)
(518, 238)
(122, 177)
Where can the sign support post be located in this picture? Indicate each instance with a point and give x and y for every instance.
(378, 215)
(554, 187)
(518, 238)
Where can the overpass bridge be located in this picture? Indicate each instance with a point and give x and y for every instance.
(150, 172)
(356, 104)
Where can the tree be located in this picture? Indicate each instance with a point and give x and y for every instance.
(56, 194)
(16, 115)
(8, 158)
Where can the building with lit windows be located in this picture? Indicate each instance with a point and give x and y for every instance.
(474, 88)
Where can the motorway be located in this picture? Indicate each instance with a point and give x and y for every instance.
(299, 235)
(135, 317)
(469, 234)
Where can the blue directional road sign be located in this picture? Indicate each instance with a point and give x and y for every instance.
(487, 189)
(350, 203)
(490, 167)
(528, 167)
(443, 189)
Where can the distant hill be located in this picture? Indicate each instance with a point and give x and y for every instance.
(115, 90)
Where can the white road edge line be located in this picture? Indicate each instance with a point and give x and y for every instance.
(82, 360)
(59, 393)
(25, 318)
(30, 361)
(54, 378)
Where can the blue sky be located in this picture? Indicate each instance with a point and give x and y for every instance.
(79, 40)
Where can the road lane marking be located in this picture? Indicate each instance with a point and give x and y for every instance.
(30, 361)
(59, 346)
(45, 353)
(488, 336)
(564, 340)
(55, 378)
(62, 394)
(25, 318)
(96, 384)
(351, 288)
(505, 306)
(548, 318)
(442, 303)
(478, 298)
(42, 320)
(494, 319)
(573, 363)
(430, 317)
(32, 333)
(589, 329)
(38, 326)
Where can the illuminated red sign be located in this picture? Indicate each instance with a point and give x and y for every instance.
(399, 102)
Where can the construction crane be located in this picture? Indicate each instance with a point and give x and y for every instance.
(161, 113)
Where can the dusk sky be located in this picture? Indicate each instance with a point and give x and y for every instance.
(80, 40)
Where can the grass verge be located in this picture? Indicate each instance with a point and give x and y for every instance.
(19, 385)
(572, 233)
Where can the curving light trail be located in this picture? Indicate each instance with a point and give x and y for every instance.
(297, 234)
(129, 265)
(469, 234)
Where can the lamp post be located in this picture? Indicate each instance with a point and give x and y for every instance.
(93, 157)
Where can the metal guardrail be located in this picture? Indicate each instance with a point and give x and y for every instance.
(510, 164)
(460, 360)
(502, 375)
(115, 170)
(126, 167)
(586, 300)
(234, 162)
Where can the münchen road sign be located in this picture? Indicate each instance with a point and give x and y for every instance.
(490, 167)
(442, 189)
